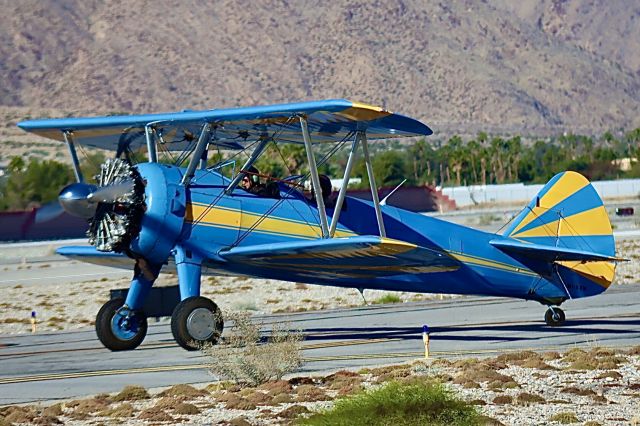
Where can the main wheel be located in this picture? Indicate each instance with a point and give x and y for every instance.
(120, 330)
(195, 321)
(554, 317)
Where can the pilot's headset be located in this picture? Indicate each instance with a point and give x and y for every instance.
(253, 175)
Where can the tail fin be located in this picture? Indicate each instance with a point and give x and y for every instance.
(568, 213)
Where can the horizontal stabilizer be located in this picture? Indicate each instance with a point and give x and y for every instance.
(550, 253)
(352, 257)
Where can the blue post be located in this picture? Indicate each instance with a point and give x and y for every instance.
(189, 266)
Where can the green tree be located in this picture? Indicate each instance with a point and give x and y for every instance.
(33, 183)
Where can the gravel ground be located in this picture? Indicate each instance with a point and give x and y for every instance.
(594, 386)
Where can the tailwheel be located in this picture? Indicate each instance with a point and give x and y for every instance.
(196, 321)
(554, 316)
(118, 328)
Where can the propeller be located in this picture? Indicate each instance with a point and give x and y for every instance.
(113, 208)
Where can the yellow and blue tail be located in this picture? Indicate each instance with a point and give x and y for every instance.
(568, 224)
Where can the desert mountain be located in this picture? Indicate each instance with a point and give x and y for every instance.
(528, 66)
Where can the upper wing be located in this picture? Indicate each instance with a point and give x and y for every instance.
(351, 257)
(328, 120)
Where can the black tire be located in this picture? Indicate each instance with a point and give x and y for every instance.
(554, 320)
(105, 331)
(209, 332)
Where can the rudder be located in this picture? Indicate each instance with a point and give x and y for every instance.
(568, 212)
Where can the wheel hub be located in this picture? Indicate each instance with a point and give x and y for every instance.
(124, 325)
(201, 324)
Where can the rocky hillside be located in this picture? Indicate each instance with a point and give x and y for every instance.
(532, 66)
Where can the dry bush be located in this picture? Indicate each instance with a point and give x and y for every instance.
(613, 374)
(310, 393)
(53, 410)
(502, 399)
(293, 412)
(123, 410)
(528, 399)
(259, 398)
(131, 393)
(566, 417)
(537, 364)
(186, 408)
(578, 391)
(181, 390)
(235, 402)
(276, 387)
(153, 415)
(243, 359)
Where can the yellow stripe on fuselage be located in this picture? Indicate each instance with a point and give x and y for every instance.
(229, 218)
(479, 261)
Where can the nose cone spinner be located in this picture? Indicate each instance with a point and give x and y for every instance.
(74, 199)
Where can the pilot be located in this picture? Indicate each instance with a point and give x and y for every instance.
(251, 181)
(327, 190)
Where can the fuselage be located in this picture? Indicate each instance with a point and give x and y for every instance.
(214, 221)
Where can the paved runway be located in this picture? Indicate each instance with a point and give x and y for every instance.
(70, 364)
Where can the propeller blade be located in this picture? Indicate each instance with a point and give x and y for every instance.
(111, 193)
(48, 212)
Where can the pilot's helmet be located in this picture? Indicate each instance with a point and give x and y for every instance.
(325, 185)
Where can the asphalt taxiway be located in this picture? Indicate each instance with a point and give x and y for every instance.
(52, 366)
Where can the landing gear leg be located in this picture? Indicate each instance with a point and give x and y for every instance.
(196, 320)
(120, 324)
(554, 316)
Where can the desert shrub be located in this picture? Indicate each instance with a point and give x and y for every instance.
(408, 403)
(243, 359)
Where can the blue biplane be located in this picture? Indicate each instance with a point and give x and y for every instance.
(153, 216)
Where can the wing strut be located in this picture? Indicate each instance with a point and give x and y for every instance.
(345, 182)
(149, 133)
(203, 141)
(315, 179)
(252, 159)
(68, 138)
(372, 182)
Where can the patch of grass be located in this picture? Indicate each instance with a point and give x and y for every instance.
(565, 418)
(301, 286)
(416, 402)
(387, 298)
